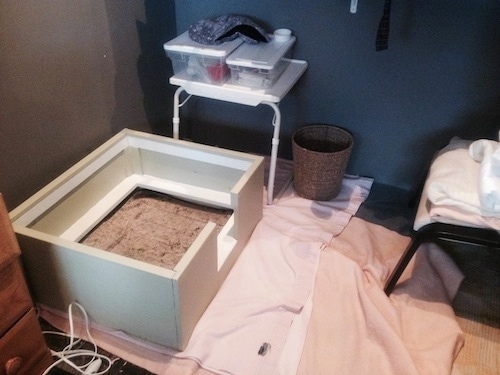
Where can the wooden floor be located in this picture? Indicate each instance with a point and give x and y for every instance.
(477, 306)
(479, 296)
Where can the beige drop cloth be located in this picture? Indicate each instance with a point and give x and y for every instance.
(354, 327)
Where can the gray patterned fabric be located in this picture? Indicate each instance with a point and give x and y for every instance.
(225, 28)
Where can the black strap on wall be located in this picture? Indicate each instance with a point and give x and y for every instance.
(383, 28)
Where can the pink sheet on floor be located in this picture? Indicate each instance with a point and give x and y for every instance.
(352, 327)
(270, 284)
(356, 329)
(308, 220)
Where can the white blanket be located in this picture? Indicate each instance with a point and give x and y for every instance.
(451, 194)
(452, 186)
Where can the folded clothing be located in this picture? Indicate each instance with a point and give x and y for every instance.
(455, 187)
(430, 213)
(487, 153)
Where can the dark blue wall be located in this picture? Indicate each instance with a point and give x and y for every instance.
(439, 78)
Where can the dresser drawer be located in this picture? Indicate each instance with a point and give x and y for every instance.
(9, 248)
(15, 299)
(23, 349)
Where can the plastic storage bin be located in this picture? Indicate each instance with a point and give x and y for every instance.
(260, 65)
(198, 62)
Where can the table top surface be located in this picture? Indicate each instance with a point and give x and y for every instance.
(244, 95)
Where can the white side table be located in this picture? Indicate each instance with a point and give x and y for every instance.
(246, 96)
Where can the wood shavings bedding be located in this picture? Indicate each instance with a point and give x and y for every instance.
(153, 227)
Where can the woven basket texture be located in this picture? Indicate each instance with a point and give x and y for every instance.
(320, 156)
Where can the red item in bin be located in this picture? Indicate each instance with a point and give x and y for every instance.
(218, 72)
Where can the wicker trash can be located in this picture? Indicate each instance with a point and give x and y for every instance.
(320, 157)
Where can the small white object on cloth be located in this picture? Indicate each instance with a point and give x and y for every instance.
(487, 153)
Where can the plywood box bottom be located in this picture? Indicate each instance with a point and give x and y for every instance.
(143, 300)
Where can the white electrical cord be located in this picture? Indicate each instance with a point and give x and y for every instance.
(93, 365)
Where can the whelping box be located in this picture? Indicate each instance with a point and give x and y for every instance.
(143, 300)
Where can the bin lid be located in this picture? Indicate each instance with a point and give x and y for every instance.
(262, 55)
(183, 43)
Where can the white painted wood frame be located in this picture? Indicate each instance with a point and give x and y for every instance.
(143, 300)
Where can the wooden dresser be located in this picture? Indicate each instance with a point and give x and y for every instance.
(22, 347)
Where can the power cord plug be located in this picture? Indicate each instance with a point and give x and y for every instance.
(93, 366)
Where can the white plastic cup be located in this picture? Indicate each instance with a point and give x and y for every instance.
(282, 35)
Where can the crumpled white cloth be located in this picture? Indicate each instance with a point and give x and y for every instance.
(487, 153)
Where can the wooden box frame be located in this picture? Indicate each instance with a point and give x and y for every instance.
(143, 300)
